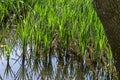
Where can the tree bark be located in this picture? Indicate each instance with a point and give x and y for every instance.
(108, 12)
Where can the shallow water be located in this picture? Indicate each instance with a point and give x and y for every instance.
(18, 67)
(50, 66)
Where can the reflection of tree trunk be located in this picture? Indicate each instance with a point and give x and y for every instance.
(109, 14)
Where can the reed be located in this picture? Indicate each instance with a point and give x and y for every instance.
(37, 22)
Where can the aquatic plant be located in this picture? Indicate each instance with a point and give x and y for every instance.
(37, 21)
(64, 28)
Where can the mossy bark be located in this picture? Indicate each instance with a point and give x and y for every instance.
(109, 13)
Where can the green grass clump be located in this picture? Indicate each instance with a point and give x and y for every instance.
(37, 21)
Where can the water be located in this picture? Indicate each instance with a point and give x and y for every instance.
(48, 66)
(16, 67)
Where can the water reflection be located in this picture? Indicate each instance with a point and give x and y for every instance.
(23, 65)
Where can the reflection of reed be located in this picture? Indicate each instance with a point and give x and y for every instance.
(59, 73)
(22, 71)
(47, 69)
(40, 66)
(36, 61)
(1, 78)
(47, 72)
(36, 66)
(8, 69)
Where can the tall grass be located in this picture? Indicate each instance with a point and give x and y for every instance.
(37, 22)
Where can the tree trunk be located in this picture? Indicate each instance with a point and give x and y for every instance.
(108, 12)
